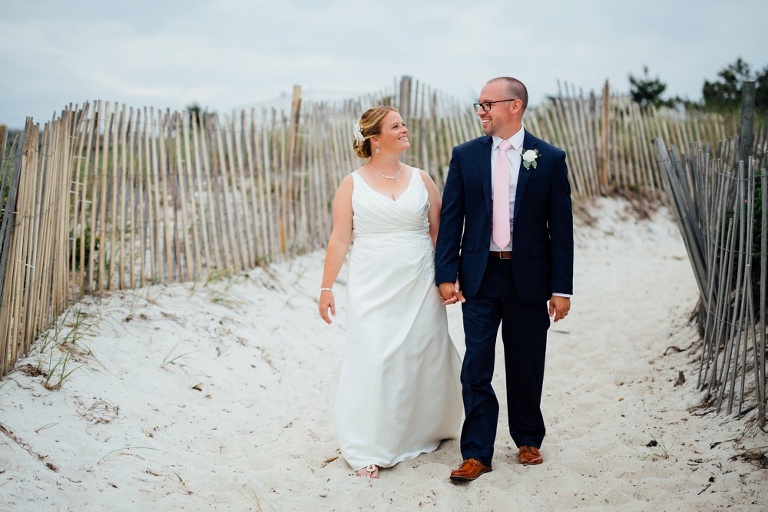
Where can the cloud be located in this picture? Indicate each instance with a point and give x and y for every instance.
(230, 54)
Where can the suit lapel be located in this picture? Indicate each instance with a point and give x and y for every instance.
(484, 161)
(529, 142)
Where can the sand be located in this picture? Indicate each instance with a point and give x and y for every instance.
(218, 396)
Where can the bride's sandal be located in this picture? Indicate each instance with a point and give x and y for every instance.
(369, 471)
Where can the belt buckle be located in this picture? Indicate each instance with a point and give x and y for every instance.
(505, 255)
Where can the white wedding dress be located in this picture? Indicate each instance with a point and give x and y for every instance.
(399, 392)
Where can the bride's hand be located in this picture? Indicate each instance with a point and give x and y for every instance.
(450, 293)
(325, 303)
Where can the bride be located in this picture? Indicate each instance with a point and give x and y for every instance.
(399, 392)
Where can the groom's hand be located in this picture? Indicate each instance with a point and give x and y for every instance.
(559, 307)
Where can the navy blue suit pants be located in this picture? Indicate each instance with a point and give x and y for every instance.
(524, 333)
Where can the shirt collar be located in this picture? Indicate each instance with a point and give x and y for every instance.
(516, 140)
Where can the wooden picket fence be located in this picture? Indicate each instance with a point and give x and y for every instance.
(722, 207)
(721, 210)
(109, 197)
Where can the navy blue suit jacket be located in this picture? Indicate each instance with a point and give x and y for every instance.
(542, 234)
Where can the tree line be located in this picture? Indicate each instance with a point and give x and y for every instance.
(723, 94)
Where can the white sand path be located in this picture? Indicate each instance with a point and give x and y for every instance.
(218, 396)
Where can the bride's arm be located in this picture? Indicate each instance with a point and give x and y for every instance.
(338, 245)
(433, 216)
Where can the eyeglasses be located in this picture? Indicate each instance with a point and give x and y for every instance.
(486, 105)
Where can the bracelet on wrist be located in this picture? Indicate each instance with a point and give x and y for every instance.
(326, 289)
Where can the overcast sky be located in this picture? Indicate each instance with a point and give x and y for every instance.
(233, 54)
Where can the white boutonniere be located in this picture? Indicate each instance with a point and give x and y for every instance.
(529, 158)
(357, 131)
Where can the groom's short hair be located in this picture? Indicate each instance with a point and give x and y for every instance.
(515, 88)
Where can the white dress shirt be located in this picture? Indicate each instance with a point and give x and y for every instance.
(515, 155)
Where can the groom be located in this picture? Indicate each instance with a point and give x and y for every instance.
(506, 235)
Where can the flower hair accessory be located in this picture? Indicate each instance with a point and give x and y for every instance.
(357, 131)
(529, 158)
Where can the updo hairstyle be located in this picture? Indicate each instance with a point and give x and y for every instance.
(370, 125)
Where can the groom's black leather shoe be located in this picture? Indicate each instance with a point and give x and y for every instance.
(469, 470)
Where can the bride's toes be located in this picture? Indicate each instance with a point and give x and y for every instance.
(369, 471)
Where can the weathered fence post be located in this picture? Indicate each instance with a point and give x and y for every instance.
(10, 174)
(747, 126)
(295, 124)
(405, 99)
(763, 292)
(606, 140)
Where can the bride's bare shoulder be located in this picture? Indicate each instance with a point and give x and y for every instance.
(424, 176)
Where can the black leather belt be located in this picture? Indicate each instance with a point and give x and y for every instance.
(501, 255)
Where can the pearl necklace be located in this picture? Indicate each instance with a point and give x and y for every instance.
(396, 176)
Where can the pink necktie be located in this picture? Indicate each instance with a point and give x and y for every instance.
(500, 226)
